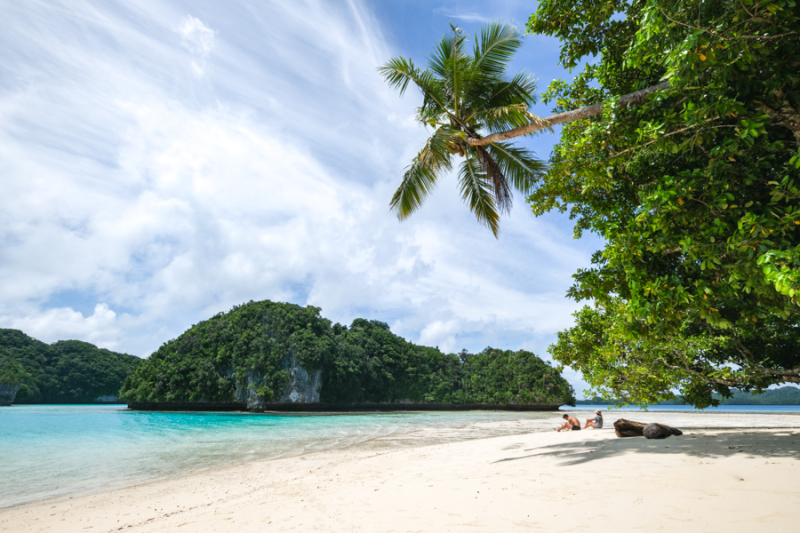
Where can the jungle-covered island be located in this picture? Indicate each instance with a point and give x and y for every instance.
(70, 371)
(786, 395)
(264, 355)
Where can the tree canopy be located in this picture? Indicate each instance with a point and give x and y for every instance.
(465, 96)
(681, 149)
(694, 191)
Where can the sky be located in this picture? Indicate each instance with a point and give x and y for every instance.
(162, 161)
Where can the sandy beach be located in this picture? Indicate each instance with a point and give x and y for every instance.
(729, 472)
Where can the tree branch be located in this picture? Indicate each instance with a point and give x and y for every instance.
(568, 116)
(698, 28)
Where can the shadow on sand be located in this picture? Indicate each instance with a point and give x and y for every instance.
(716, 443)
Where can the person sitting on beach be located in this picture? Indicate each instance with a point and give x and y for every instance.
(596, 422)
(571, 423)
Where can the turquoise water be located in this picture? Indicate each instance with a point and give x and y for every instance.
(688, 408)
(55, 450)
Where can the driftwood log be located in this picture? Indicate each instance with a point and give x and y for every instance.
(629, 428)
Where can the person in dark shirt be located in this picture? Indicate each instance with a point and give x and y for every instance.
(571, 424)
(596, 422)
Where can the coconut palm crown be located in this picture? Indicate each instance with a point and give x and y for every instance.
(467, 96)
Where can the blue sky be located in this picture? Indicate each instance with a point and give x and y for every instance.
(163, 161)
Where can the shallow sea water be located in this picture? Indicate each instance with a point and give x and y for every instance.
(56, 450)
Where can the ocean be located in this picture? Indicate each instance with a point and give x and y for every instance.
(55, 450)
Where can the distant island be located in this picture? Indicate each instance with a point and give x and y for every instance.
(32, 371)
(786, 395)
(268, 355)
(280, 356)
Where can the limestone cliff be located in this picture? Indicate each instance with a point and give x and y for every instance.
(7, 393)
(303, 387)
(108, 398)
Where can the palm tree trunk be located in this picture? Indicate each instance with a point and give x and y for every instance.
(567, 116)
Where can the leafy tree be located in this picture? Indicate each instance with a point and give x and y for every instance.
(62, 372)
(694, 191)
(505, 376)
(464, 97)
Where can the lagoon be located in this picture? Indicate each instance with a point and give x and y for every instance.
(57, 450)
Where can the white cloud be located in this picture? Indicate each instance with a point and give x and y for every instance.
(466, 17)
(198, 39)
(161, 199)
(67, 324)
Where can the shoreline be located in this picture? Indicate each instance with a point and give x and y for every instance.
(434, 480)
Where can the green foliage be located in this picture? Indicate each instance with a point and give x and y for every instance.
(62, 372)
(693, 191)
(214, 358)
(373, 365)
(505, 376)
(466, 96)
(780, 396)
(252, 346)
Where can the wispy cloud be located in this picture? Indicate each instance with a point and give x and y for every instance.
(198, 39)
(165, 198)
(466, 17)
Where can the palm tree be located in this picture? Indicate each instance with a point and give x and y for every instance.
(465, 97)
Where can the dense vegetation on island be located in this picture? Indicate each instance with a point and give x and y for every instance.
(786, 395)
(62, 372)
(252, 347)
(681, 150)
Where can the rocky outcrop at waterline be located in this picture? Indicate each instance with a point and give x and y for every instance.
(8, 392)
(319, 407)
(302, 387)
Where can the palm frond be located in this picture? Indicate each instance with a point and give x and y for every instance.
(520, 89)
(503, 117)
(495, 48)
(519, 166)
(450, 47)
(453, 66)
(398, 72)
(502, 193)
(422, 174)
(476, 191)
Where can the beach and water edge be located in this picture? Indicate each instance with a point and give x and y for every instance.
(484, 471)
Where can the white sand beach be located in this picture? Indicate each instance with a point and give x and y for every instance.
(729, 472)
